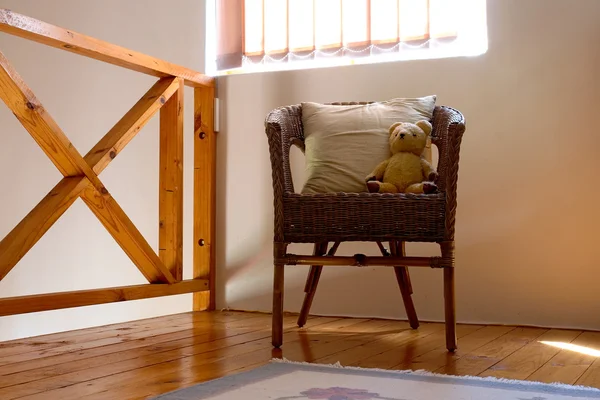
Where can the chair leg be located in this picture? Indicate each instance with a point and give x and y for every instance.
(404, 282)
(403, 279)
(311, 288)
(278, 285)
(311, 283)
(449, 299)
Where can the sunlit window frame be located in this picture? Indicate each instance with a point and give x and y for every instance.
(471, 40)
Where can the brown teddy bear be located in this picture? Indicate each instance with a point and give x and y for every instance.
(406, 171)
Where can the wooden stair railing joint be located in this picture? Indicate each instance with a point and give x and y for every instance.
(164, 271)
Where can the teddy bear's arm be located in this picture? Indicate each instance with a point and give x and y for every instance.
(429, 172)
(378, 172)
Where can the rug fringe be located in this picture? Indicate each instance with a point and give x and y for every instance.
(423, 372)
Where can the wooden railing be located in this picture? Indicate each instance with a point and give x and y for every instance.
(164, 271)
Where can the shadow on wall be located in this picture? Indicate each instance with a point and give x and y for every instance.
(244, 188)
(221, 188)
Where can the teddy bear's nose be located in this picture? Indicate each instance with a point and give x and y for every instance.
(402, 136)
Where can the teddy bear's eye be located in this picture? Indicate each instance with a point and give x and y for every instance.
(414, 134)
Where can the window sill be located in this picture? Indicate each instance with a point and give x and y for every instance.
(429, 53)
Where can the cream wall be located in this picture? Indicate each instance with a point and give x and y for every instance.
(87, 97)
(527, 239)
(526, 248)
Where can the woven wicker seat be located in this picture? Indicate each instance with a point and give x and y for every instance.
(332, 218)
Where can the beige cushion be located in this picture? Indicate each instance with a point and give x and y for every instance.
(345, 143)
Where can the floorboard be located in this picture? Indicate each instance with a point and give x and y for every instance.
(483, 358)
(569, 366)
(531, 357)
(145, 358)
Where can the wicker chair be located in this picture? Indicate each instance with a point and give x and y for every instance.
(333, 218)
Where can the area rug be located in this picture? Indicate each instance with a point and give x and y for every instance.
(286, 381)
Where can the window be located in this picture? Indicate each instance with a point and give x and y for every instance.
(259, 35)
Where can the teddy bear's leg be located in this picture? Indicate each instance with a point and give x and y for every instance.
(387, 188)
(423, 187)
(373, 186)
(416, 188)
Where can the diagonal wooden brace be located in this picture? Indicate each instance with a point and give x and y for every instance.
(126, 234)
(44, 130)
(40, 125)
(27, 233)
(32, 115)
(125, 130)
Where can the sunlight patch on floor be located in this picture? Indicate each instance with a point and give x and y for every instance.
(573, 347)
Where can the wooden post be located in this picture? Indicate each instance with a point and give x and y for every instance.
(170, 235)
(204, 195)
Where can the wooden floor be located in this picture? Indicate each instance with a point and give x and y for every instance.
(139, 359)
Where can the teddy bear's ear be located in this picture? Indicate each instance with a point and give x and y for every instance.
(394, 126)
(425, 125)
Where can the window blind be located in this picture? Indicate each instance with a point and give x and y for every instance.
(285, 30)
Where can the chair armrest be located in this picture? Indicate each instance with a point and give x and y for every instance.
(283, 127)
(448, 130)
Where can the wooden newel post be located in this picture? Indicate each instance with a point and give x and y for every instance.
(204, 195)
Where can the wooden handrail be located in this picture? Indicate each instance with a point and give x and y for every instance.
(54, 36)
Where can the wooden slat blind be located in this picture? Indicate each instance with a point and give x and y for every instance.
(301, 28)
(280, 28)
